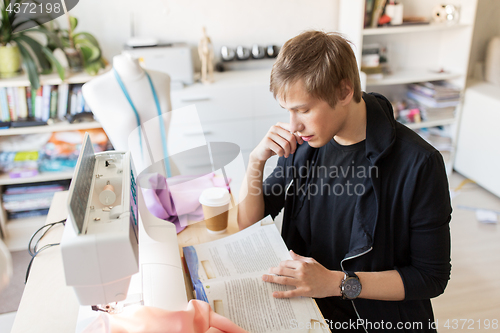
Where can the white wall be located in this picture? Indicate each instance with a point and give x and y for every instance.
(487, 26)
(228, 22)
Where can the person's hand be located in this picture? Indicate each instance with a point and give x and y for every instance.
(278, 141)
(309, 277)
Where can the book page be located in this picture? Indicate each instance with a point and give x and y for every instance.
(250, 251)
(248, 302)
(227, 273)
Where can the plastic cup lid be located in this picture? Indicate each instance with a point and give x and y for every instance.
(215, 196)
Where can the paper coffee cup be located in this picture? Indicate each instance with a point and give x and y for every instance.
(215, 203)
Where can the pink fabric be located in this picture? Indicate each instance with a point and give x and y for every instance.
(176, 200)
(197, 318)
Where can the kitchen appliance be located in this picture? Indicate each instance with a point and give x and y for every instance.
(174, 59)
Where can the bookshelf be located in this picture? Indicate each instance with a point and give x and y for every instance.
(410, 75)
(416, 53)
(16, 233)
(433, 27)
(52, 79)
(57, 127)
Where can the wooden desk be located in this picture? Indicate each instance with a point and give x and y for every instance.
(197, 233)
(48, 305)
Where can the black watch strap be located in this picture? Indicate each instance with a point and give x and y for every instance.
(350, 274)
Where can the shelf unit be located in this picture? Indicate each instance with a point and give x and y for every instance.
(403, 29)
(16, 233)
(416, 53)
(57, 127)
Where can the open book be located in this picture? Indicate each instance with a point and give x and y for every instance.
(227, 273)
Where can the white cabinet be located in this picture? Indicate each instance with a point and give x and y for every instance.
(478, 152)
(416, 53)
(238, 108)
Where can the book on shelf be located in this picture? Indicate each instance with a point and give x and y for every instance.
(27, 196)
(437, 137)
(439, 90)
(76, 102)
(37, 203)
(429, 114)
(53, 186)
(378, 10)
(46, 90)
(29, 200)
(4, 104)
(29, 102)
(227, 273)
(21, 103)
(11, 103)
(27, 213)
(53, 102)
(432, 102)
(62, 106)
(21, 106)
(368, 13)
(39, 103)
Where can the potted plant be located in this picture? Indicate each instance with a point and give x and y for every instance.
(22, 47)
(82, 49)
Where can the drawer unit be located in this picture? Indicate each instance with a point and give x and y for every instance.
(239, 132)
(215, 104)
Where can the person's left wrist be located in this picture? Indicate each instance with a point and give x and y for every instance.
(337, 277)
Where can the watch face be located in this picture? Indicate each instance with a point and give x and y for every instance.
(351, 287)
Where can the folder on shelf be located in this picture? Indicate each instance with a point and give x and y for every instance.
(28, 123)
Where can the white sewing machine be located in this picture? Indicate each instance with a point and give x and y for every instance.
(110, 236)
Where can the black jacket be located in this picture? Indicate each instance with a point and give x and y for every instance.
(401, 222)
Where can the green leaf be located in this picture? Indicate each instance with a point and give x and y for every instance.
(90, 52)
(73, 22)
(54, 62)
(93, 68)
(36, 47)
(52, 36)
(86, 35)
(30, 66)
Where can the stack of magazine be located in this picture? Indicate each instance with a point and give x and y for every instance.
(30, 200)
(436, 100)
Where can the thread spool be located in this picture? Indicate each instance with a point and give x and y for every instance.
(107, 196)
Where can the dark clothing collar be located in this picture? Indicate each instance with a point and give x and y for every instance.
(380, 127)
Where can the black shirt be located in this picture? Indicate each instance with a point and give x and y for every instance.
(334, 180)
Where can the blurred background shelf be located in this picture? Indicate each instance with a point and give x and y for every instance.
(414, 28)
(41, 177)
(50, 79)
(57, 127)
(431, 123)
(418, 53)
(410, 75)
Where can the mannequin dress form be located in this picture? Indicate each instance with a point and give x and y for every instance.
(112, 109)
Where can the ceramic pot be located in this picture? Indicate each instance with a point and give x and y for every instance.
(10, 61)
(75, 60)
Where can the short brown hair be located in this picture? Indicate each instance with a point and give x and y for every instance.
(324, 61)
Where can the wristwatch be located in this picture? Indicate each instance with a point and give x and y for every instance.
(350, 287)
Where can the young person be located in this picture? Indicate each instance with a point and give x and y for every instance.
(366, 200)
